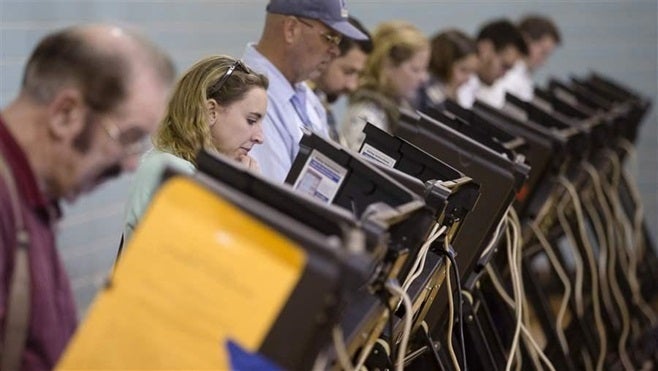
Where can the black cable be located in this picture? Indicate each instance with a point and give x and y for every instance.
(460, 314)
(435, 353)
(385, 297)
(391, 338)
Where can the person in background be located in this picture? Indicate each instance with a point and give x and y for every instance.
(542, 37)
(499, 46)
(90, 96)
(342, 75)
(217, 105)
(395, 70)
(453, 62)
(299, 39)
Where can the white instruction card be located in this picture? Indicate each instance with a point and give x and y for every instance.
(373, 154)
(320, 177)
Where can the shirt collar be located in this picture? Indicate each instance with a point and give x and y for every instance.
(26, 182)
(279, 86)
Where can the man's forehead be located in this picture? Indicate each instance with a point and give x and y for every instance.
(324, 26)
(546, 39)
(509, 52)
(355, 53)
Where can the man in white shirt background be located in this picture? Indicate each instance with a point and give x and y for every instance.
(499, 46)
(542, 36)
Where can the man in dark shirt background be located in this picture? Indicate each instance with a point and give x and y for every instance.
(90, 96)
(342, 74)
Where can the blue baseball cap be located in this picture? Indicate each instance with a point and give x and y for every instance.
(332, 13)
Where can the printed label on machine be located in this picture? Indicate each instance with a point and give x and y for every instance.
(320, 177)
(373, 154)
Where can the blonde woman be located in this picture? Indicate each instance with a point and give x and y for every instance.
(395, 69)
(217, 105)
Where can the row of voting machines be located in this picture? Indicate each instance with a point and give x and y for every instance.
(428, 248)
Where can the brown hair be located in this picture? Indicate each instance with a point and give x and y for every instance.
(536, 27)
(448, 47)
(69, 57)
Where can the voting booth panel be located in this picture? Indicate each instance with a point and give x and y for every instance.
(182, 289)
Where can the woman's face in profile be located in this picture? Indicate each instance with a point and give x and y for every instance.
(239, 125)
(462, 70)
(407, 77)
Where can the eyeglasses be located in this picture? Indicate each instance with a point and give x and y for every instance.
(133, 141)
(217, 87)
(331, 39)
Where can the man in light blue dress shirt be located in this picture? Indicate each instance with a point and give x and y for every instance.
(299, 39)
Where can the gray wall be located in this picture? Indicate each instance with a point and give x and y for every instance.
(617, 38)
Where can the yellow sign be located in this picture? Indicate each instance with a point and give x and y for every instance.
(197, 272)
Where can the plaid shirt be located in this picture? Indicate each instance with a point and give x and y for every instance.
(52, 310)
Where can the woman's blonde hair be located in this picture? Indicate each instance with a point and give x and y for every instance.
(184, 131)
(395, 42)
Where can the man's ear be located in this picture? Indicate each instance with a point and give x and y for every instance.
(291, 29)
(67, 112)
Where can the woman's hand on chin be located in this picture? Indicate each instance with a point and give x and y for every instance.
(250, 163)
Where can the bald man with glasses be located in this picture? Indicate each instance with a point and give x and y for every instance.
(90, 97)
(299, 39)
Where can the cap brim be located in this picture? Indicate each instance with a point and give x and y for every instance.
(346, 29)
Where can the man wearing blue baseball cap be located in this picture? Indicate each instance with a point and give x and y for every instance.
(332, 13)
(299, 39)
